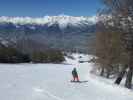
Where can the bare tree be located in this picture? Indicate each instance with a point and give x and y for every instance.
(118, 20)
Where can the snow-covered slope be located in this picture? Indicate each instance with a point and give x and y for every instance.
(61, 20)
(52, 82)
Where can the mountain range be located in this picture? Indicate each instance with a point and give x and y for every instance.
(59, 32)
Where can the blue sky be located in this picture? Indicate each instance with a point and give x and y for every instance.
(39, 8)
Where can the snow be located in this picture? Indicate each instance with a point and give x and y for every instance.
(62, 20)
(52, 82)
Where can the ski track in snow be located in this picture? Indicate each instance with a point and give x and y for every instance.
(45, 92)
(52, 82)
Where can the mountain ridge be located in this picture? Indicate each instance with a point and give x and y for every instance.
(61, 20)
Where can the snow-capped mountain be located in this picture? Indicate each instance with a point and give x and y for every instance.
(55, 31)
(62, 20)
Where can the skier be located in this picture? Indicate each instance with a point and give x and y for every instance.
(75, 75)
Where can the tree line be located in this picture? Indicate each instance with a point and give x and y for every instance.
(25, 54)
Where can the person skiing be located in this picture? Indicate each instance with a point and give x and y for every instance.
(75, 75)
